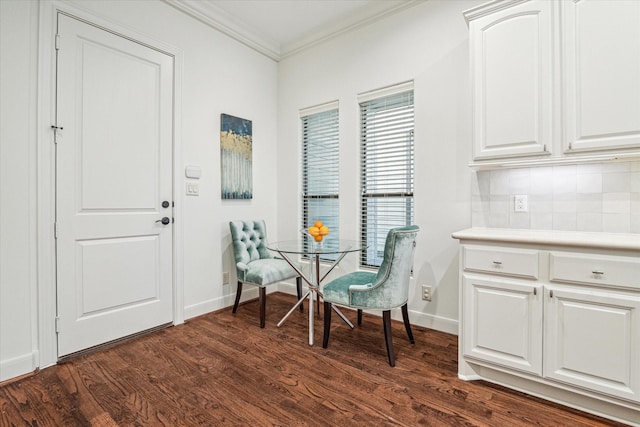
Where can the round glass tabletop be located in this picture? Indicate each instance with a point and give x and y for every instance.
(327, 246)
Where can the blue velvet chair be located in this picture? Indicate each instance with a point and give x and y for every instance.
(255, 264)
(384, 290)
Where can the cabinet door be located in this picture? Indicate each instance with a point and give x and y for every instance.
(601, 74)
(592, 340)
(511, 71)
(502, 323)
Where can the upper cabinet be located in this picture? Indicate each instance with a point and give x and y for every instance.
(554, 81)
(511, 58)
(601, 74)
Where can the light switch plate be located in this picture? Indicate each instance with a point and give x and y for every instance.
(193, 189)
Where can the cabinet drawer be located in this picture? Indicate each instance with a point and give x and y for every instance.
(506, 261)
(604, 270)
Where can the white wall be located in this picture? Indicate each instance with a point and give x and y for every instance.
(427, 43)
(219, 75)
(18, 56)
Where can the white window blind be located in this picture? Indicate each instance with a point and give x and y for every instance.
(387, 168)
(320, 186)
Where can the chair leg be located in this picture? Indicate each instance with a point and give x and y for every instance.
(407, 325)
(263, 305)
(299, 289)
(327, 323)
(238, 293)
(359, 317)
(386, 319)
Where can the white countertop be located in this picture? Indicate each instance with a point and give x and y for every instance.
(626, 241)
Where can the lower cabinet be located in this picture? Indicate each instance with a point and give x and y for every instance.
(592, 340)
(503, 323)
(560, 326)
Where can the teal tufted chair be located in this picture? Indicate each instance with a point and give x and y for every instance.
(255, 264)
(384, 290)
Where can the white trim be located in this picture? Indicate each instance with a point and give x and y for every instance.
(17, 366)
(332, 105)
(417, 318)
(375, 12)
(222, 21)
(385, 91)
(47, 340)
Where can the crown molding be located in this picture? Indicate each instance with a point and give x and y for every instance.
(226, 23)
(374, 12)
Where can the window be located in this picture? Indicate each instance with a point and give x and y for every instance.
(320, 168)
(387, 123)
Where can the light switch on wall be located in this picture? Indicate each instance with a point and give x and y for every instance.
(193, 189)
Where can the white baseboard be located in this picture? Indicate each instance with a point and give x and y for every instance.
(205, 307)
(430, 321)
(17, 366)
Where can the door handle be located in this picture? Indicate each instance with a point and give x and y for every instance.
(165, 204)
(164, 220)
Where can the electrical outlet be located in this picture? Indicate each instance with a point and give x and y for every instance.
(225, 277)
(521, 203)
(426, 292)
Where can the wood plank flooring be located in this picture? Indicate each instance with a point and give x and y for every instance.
(222, 369)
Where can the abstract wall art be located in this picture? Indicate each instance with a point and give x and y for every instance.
(235, 157)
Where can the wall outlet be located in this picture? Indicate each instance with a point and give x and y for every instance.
(225, 277)
(521, 203)
(426, 292)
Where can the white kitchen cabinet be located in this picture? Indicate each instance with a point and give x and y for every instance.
(554, 81)
(555, 314)
(601, 74)
(503, 322)
(592, 340)
(511, 57)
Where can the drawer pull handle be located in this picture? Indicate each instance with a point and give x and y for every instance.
(497, 262)
(535, 291)
(550, 294)
(598, 273)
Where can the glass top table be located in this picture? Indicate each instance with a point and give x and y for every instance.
(334, 249)
(327, 246)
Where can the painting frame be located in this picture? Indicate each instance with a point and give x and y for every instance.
(236, 152)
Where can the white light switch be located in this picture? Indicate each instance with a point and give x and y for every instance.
(193, 189)
(521, 203)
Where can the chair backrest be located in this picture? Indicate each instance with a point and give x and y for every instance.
(249, 240)
(395, 271)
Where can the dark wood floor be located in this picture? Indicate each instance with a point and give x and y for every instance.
(222, 369)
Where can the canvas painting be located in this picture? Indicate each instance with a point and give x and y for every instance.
(235, 157)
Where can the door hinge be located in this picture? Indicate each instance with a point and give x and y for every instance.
(57, 324)
(57, 42)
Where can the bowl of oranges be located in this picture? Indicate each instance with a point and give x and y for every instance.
(318, 230)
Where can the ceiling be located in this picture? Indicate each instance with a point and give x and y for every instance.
(278, 28)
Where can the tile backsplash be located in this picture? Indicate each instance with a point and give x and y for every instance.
(586, 197)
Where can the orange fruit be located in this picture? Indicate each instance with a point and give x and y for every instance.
(314, 231)
(317, 238)
(318, 224)
(324, 230)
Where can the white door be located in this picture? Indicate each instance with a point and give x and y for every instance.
(114, 171)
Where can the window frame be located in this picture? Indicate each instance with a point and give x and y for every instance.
(373, 236)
